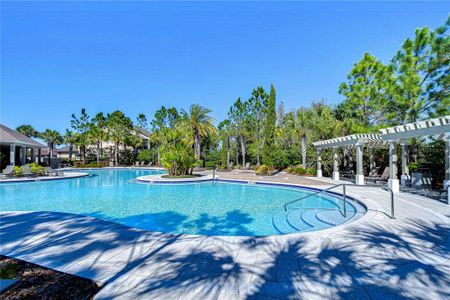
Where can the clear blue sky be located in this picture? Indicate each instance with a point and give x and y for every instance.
(136, 56)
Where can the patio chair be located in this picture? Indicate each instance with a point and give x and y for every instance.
(51, 172)
(149, 164)
(26, 171)
(142, 163)
(136, 164)
(247, 166)
(8, 171)
(383, 177)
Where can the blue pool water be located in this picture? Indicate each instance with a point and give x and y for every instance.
(195, 208)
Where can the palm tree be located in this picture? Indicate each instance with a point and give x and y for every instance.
(69, 139)
(52, 138)
(27, 130)
(119, 127)
(81, 126)
(97, 133)
(201, 124)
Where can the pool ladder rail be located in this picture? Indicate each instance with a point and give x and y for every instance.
(290, 222)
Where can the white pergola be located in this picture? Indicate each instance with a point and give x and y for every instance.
(357, 141)
(438, 128)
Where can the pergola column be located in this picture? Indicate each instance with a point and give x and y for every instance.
(319, 164)
(335, 174)
(32, 155)
(447, 167)
(447, 162)
(371, 161)
(393, 181)
(23, 155)
(39, 156)
(12, 154)
(404, 177)
(359, 179)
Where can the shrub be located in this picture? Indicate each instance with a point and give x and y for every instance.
(300, 170)
(17, 171)
(145, 155)
(37, 169)
(413, 167)
(262, 170)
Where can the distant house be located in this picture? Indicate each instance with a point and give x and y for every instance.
(64, 152)
(18, 149)
(145, 135)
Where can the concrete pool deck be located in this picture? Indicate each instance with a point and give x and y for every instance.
(373, 257)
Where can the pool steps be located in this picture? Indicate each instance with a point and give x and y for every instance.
(300, 220)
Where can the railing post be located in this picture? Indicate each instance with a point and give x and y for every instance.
(214, 176)
(345, 208)
(392, 204)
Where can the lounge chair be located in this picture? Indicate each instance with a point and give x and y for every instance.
(149, 164)
(136, 164)
(230, 167)
(142, 163)
(383, 177)
(8, 171)
(26, 171)
(51, 172)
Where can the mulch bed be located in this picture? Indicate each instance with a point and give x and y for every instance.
(36, 282)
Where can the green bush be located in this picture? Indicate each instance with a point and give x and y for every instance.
(37, 169)
(413, 167)
(17, 170)
(300, 170)
(262, 170)
(79, 164)
(145, 155)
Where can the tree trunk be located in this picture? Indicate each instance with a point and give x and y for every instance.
(197, 146)
(303, 141)
(228, 153)
(98, 152)
(116, 155)
(243, 150)
(70, 151)
(50, 146)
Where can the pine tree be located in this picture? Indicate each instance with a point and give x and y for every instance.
(269, 128)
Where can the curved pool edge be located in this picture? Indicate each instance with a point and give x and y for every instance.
(371, 210)
(157, 178)
(72, 175)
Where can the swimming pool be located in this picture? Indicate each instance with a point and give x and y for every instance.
(193, 208)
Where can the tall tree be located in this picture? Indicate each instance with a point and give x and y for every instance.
(97, 133)
(81, 126)
(269, 128)
(119, 127)
(238, 116)
(69, 140)
(423, 71)
(367, 92)
(142, 121)
(256, 107)
(52, 138)
(201, 124)
(28, 130)
(225, 135)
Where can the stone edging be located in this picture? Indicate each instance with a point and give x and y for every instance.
(72, 175)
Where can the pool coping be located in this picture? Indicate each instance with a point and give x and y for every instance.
(73, 175)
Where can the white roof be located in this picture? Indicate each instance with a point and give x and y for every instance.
(350, 140)
(438, 127)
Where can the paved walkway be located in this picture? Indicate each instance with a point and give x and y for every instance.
(371, 258)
